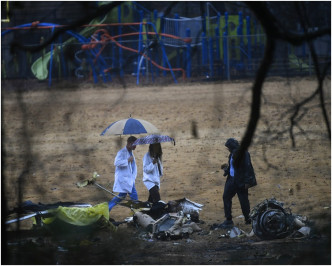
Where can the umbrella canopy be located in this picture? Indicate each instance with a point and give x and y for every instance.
(130, 126)
(151, 139)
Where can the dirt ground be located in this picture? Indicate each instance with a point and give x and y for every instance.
(51, 140)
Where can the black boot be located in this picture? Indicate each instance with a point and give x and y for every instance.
(226, 224)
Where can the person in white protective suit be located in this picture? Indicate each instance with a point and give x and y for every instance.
(152, 171)
(125, 173)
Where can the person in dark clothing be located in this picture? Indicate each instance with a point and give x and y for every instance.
(239, 179)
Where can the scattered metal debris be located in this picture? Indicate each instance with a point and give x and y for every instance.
(234, 232)
(270, 220)
(185, 205)
(305, 230)
(171, 225)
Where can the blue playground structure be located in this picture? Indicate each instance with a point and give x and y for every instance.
(132, 40)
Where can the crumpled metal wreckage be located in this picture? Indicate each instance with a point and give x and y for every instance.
(270, 220)
(178, 220)
(170, 226)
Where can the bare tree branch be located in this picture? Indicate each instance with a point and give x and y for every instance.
(273, 26)
(274, 31)
(256, 97)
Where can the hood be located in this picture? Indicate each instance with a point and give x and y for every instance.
(232, 144)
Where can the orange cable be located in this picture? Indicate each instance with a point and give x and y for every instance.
(106, 37)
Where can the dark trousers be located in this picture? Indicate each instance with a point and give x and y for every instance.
(231, 188)
(154, 195)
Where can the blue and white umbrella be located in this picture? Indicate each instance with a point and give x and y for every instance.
(151, 139)
(130, 126)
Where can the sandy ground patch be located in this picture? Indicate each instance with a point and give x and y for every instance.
(55, 134)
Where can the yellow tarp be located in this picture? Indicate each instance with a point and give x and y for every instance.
(78, 215)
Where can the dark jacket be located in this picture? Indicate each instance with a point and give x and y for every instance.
(244, 174)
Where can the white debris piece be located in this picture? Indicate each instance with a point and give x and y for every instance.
(304, 230)
(234, 232)
(189, 206)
